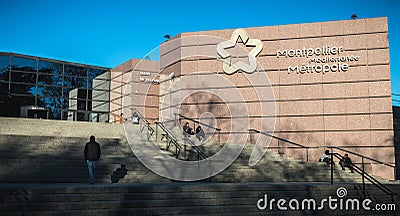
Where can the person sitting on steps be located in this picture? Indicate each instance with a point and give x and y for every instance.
(326, 158)
(200, 133)
(346, 162)
(187, 130)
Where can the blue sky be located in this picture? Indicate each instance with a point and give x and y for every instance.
(107, 33)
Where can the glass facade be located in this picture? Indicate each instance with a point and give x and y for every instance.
(44, 88)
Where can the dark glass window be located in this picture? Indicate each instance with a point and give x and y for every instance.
(60, 88)
(22, 89)
(4, 78)
(81, 104)
(65, 115)
(46, 67)
(4, 67)
(65, 104)
(55, 114)
(23, 77)
(12, 106)
(69, 92)
(23, 64)
(49, 91)
(54, 104)
(75, 71)
(46, 79)
(82, 93)
(93, 73)
(75, 82)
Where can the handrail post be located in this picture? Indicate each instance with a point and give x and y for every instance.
(251, 133)
(279, 147)
(156, 131)
(307, 154)
(363, 176)
(331, 166)
(175, 121)
(219, 136)
(176, 152)
(184, 149)
(140, 125)
(148, 133)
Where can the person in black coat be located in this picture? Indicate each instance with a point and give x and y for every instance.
(200, 135)
(92, 155)
(346, 162)
(187, 130)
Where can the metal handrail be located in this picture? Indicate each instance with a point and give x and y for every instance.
(281, 139)
(335, 147)
(143, 119)
(200, 152)
(200, 123)
(140, 115)
(362, 156)
(169, 136)
(359, 170)
(162, 126)
(364, 175)
(362, 172)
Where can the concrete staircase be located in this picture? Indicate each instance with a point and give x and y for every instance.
(47, 151)
(273, 167)
(176, 199)
(34, 152)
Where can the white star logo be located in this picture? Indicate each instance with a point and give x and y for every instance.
(226, 56)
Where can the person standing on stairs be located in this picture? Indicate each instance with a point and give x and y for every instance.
(121, 118)
(92, 155)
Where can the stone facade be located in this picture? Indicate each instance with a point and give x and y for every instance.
(330, 83)
(132, 85)
(316, 84)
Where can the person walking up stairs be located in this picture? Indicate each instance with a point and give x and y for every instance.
(92, 155)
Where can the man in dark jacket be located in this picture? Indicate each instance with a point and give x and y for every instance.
(187, 130)
(92, 155)
(346, 162)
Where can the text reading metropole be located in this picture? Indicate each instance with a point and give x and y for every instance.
(321, 59)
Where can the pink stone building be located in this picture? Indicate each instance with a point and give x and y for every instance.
(315, 84)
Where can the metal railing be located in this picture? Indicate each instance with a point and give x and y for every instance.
(143, 122)
(172, 139)
(359, 170)
(200, 153)
(179, 116)
(169, 139)
(280, 139)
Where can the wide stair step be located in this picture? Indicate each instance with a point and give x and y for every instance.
(177, 198)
